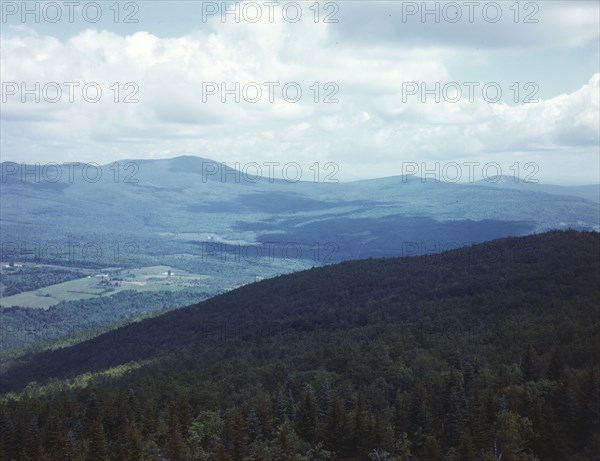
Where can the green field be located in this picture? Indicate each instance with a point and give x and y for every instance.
(107, 283)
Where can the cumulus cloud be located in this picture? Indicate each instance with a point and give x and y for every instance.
(354, 108)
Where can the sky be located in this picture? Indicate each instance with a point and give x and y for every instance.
(370, 89)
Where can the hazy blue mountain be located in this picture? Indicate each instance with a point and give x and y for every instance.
(167, 205)
(589, 192)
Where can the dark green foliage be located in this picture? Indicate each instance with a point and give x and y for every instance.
(70, 322)
(466, 449)
(307, 415)
(530, 365)
(435, 358)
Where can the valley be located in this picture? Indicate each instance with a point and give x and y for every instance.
(103, 282)
(224, 231)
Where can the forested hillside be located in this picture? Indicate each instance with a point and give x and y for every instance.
(483, 353)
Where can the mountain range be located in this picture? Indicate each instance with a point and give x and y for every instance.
(181, 203)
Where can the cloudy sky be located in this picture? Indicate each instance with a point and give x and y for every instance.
(370, 86)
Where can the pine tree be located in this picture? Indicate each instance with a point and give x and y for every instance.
(556, 365)
(91, 415)
(33, 439)
(280, 408)
(361, 428)
(175, 443)
(430, 449)
(421, 415)
(239, 435)
(469, 381)
(57, 434)
(6, 436)
(455, 410)
(401, 418)
(484, 415)
(98, 444)
(568, 406)
(307, 415)
(324, 399)
(466, 450)
(255, 431)
(531, 365)
(550, 445)
(291, 406)
(120, 447)
(336, 426)
(402, 448)
(589, 403)
(135, 442)
(134, 407)
(383, 431)
(288, 442)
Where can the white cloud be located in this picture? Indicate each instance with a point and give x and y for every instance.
(369, 132)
